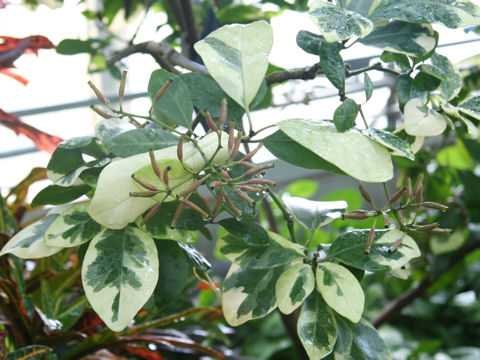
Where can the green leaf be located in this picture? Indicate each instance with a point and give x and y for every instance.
(119, 273)
(107, 129)
(332, 64)
(455, 113)
(68, 312)
(293, 287)
(279, 251)
(63, 162)
(112, 205)
(72, 228)
(391, 141)
(206, 94)
(173, 274)
(74, 178)
(138, 141)
(402, 37)
(426, 82)
(304, 188)
(401, 60)
(443, 69)
(55, 195)
(368, 86)
(345, 115)
(309, 42)
(249, 293)
(350, 249)
(287, 149)
(451, 13)
(175, 107)
(317, 327)
(314, 214)
(31, 352)
(28, 243)
(79, 142)
(421, 120)
(253, 235)
(358, 341)
(372, 164)
(340, 290)
(241, 13)
(194, 257)
(406, 90)
(237, 58)
(338, 24)
(77, 46)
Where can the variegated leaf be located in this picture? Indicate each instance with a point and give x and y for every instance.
(237, 58)
(421, 120)
(74, 227)
(73, 178)
(350, 249)
(338, 24)
(340, 290)
(391, 141)
(278, 251)
(372, 164)
(249, 293)
(317, 327)
(447, 73)
(293, 287)
(119, 273)
(28, 243)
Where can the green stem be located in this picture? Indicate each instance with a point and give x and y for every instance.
(286, 214)
(376, 66)
(360, 110)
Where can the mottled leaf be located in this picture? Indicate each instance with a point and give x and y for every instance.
(119, 273)
(368, 86)
(332, 64)
(293, 287)
(340, 290)
(338, 24)
(446, 72)
(72, 228)
(253, 235)
(316, 327)
(390, 141)
(249, 293)
(350, 249)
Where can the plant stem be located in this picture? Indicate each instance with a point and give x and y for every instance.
(286, 214)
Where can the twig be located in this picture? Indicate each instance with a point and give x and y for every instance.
(407, 298)
(307, 73)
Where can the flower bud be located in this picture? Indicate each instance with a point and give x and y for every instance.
(386, 219)
(165, 175)
(205, 202)
(434, 205)
(195, 207)
(224, 174)
(151, 213)
(144, 184)
(409, 189)
(441, 231)
(418, 185)
(365, 193)
(258, 181)
(257, 170)
(245, 197)
(176, 216)
(154, 163)
(101, 112)
(180, 148)
(358, 214)
(247, 164)
(216, 184)
(397, 195)
(236, 146)
(123, 81)
(218, 204)
(231, 135)
(162, 91)
(211, 124)
(222, 118)
(395, 245)
(143, 193)
(252, 153)
(370, 238)
(191, 188)
(98, 93)
(232, 206)
(428, 227)
(251, 188)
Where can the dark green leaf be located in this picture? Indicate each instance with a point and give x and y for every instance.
(242, 14)
(252, 235)
(8, 224)
(443, 69)
(332, 64)
(286, 149)
(194, 257)
(77, 46)
(310, 42)
(64, 161)
(406, 90)
(175, 107)
(54, 194)
(368, 86)
(345, 115)
(139, 141)
(425, 82)
(401, 60)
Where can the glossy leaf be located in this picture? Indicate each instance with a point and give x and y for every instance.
(253, 235)
(406, 90)
(332, 64)
(141, 140)
(358, 341)
(402, 37)
(72, 228)
(278, 251)
(314, 214)
(28, 243)
(443, 69)
(63, 162)
(249, 293)
(237, 58)
(340, 290)
(471, 107)
(175, 107)
(173, 274)
(390, 141)
(119, 273)
(317, 327)
(74, 178)
(108, 129)
(112, 205)
(351, 151)
(451, 13)
(350, 249)
(287, 149)
(345, 115)
(338, 24)
(196, 259)
(422, 121)
(293, 287)
(55, 195)
(457, 113)
(309, 42)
